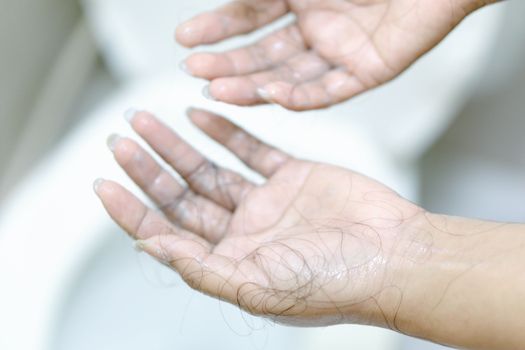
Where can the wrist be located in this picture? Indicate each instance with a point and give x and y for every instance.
(454, 296)
(425, 282)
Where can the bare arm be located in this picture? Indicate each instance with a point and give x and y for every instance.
(470, 291)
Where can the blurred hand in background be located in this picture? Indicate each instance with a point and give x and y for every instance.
(333, 51)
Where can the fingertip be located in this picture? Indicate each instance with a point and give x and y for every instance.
(184, 34)
(210, 123)
(97, 184)
(106, 191)
(196, 31)
(104, 188)
(190, 111)
(183, 66)
(198, 116)
(206, 92)
(126, 152)
(207, 65)
(112, 141)
(129, 114)
(119, 203)
(142, 121)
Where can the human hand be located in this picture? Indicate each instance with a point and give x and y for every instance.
(314, 245)
(333, 51)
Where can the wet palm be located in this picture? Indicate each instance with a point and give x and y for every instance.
(313, 244)
(334, 50)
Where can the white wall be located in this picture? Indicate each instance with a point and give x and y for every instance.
(35, 96)
(478, 167)
(31, 35)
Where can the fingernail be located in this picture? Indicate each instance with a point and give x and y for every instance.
(139, 246)
(206, 93)
(184, 67)
(264, 94)
(97, 184)
(112, 141)
(189, 111)
(130, 114)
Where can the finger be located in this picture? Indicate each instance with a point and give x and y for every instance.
(333, 87)
(234, 18)
(244, 90)
(216, 275)
(224, 187)
(262, 55)
(257, 155)
(190, 211)
(134, 217)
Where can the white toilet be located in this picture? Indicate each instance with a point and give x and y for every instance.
(70, 279)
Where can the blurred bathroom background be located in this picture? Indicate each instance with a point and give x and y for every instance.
(448, 134)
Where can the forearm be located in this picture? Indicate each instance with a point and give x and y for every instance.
(470, 292)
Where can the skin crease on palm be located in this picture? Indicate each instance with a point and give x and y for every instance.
(315, 244)
(333, 51)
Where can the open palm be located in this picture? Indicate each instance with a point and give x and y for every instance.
(334, 50)
(312, 245)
